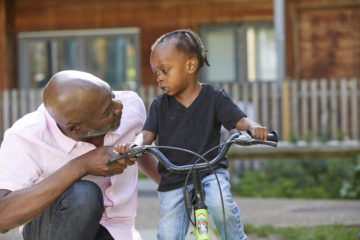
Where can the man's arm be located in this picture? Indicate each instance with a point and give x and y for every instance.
(19, 207)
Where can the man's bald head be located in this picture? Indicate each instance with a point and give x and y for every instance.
(71, 96)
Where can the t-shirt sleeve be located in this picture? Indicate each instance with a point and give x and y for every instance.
(17, 168)
(228, 113)
(138, 112)
(151, 123)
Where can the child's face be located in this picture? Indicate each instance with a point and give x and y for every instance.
(170, 67)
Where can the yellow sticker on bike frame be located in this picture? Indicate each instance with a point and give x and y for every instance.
(202, 226)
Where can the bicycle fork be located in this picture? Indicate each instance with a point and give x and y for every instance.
(200, 210)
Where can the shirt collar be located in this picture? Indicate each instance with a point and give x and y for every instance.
(66, 143)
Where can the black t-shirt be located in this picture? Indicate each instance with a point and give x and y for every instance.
(196, 128)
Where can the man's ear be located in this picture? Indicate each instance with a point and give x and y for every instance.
(192, 65)
(73, 128)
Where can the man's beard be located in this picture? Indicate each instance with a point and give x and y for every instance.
(96, 133)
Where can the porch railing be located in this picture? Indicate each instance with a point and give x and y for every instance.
(299, 110)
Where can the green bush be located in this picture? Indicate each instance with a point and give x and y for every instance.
(351, 187)
(317, 178)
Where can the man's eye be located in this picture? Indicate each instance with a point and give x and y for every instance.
(155, 74)
(164, 70)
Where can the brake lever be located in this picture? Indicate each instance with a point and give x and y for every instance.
(135, 151)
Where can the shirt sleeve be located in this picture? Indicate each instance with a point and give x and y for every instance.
(17, 168)
(138, 112)
(151, 123)
(228, 113)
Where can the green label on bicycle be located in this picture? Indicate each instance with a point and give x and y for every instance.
(202, 229)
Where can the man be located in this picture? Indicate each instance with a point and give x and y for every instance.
(53, 172)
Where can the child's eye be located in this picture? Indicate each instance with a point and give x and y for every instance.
(156, 74)
(164, 70)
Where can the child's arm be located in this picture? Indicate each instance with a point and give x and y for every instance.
(144, 138)
(258, 131)
(147, 163)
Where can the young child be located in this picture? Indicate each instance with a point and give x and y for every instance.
(189, 115)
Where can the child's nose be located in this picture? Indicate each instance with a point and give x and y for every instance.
(159, 78)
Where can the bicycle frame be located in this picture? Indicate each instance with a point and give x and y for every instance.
(200, 209)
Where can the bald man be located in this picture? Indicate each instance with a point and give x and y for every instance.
(53, 172)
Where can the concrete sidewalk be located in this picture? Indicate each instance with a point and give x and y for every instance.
(259, 211)
(256, 211)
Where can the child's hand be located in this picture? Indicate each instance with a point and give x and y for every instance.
(259, 132)
(123, 148)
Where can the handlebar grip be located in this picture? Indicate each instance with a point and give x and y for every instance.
(273, 137)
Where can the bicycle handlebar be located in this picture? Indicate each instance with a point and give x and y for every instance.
(237, 138)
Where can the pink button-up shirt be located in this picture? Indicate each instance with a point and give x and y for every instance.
(34, 148)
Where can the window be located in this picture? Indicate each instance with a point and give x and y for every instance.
(110, 54)
(239, 52)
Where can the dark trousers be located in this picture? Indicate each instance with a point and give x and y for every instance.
(75, 215)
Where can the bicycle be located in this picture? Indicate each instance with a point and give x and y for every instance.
(200, 222)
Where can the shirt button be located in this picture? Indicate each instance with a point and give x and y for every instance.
(108, 209)
(111, 194)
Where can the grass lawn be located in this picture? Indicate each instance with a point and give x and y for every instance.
(333, 232)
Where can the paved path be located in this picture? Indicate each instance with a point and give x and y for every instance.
(256, 211)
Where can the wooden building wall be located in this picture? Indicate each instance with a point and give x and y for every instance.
(7, 45)
(153, 17)
(322, 36)
(323, 39)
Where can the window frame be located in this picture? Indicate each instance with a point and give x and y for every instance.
(239, 30)
(79, 36)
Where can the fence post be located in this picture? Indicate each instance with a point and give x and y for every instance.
(354, 109)
(344, 107)
(285, 110)
(294, 105)
(6, 110)
(314, 108)
(333, 109)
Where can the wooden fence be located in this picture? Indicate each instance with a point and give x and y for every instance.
(299, 110)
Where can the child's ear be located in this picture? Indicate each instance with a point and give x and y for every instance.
(192, 65)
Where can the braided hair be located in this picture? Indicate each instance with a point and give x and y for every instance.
(186, 41)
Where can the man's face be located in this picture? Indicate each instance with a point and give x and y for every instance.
(105, 115)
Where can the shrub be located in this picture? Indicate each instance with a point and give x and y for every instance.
(316, 178)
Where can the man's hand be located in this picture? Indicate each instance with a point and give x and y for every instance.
(124, 148)
(94, 162)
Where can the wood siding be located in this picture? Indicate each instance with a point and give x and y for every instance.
(154, 18)
(322, 36)
(7, 45)
(324, 39)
